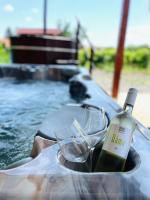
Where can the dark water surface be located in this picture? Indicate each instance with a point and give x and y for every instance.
(23, 106)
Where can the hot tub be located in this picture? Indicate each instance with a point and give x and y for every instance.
(47, 177)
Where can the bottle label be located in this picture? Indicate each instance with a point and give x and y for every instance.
(118, 140)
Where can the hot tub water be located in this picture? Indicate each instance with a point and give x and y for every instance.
(23, 106)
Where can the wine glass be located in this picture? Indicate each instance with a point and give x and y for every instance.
(94, 130)
(96, 125)
(73, 148)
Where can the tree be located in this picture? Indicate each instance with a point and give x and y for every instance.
(64, 27)
(8, 32)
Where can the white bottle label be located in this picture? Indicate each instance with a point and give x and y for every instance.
(118, 140)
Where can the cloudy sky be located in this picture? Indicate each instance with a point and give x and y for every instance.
(101, 18)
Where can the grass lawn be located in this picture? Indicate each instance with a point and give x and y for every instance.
(4, 55)
(127, 69)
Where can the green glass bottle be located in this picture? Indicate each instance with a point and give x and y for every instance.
(118, 138)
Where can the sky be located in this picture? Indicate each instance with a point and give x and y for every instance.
(101, 18)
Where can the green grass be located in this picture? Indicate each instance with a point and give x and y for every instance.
(4, 55)
(125, 69)
(135, 69)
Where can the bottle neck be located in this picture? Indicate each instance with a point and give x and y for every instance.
(128, 109)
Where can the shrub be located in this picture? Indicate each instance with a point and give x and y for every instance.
(135, 56)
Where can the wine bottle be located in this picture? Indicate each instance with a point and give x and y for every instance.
(118, 139)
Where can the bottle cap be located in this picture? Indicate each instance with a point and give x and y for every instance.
(131, 97)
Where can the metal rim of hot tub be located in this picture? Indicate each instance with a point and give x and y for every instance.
(66, 115)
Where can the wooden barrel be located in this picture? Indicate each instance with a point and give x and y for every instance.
(43, 49)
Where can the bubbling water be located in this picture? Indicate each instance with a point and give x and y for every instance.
(23, 106)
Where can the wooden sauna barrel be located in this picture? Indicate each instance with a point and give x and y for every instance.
(43, 49)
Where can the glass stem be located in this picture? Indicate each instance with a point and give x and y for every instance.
(91, 159)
